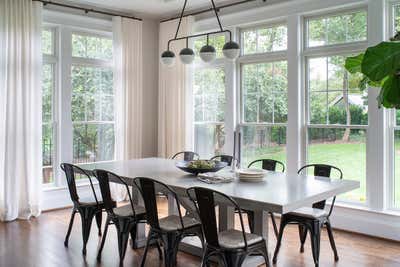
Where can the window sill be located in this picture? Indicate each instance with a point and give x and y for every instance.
(364, 208)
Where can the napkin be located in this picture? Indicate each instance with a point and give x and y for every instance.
(215, 178)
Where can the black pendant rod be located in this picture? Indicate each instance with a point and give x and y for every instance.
(86, 10)
(180, 19)
(198, 35)
(216, 14)
(211, 9)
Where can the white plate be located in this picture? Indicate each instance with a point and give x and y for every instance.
(252, 172)
(252, 180)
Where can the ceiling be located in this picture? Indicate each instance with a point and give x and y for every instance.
(152, 8)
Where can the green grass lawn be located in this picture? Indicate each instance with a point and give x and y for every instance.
(349, 157)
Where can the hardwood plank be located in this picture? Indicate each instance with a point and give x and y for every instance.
(39, 242)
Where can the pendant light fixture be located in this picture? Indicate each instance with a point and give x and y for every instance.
(207, 53)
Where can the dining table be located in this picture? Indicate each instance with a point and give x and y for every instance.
(278, 192)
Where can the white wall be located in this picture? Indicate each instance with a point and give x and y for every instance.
(150, 87)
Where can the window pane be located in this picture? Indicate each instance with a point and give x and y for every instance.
(47, 119)
(91, 47)
(343, 148)
(263, 142)
(397, 169)
(266, 39)
(209, 95)
(337, 29)
(334, 96)
(92, 94)
(48, 42)
(216, 40)
(396, 15)
(264, 88)
(93, 142)
(209, 139)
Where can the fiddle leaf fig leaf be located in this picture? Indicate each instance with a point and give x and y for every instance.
(381, 60)
(353, 64)
(389, 96)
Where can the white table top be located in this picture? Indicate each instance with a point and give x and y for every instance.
(279, 192)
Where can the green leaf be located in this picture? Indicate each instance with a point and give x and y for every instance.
(381, 60)
(389, 96)
(353, 64)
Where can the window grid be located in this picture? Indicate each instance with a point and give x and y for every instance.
(335, 133)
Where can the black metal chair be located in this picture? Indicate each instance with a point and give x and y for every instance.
(187, 155)
(269, 165)
(311, 219)
(125, 218)
(231, 246)
(169, 230)
(86, 207)
(224, 158)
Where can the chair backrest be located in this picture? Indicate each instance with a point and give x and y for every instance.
(223, 158)
(71, 171)
(187, 155)
(269, 164)
(205, 202)
(149, 188)
(323, 170)
(104, 178)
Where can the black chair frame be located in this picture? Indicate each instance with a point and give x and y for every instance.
(203, 199)
(224, 158)
(86, 210)
(187, 155)
(312, 225)
(125, 225)
(169, 239)
(269, 165)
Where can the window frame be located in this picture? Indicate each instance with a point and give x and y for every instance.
(341, 49)
(62, 95)
(259, 58)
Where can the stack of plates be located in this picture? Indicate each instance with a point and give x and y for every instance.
(251, 175)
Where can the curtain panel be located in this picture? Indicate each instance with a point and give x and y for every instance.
(173, 117)
(128, 86)
(20, 109)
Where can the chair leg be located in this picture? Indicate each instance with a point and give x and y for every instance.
(123, 237)
(71, 222)
(170, 245)
(103, 239)
(133, 236)
(87, 215)
(160, 255)
(250, 218)
(265, 255)
(149, 238)
(279, 241)
(315, 233)
(274, 224)
(99, 218)
(303, 236)
(332, 240)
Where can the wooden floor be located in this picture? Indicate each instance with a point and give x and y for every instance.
(39, 242)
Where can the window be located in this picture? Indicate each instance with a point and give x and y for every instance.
(264, 95)
(90, 81)
(337, 29)
(48, 88)
(337, 109)
(264, 39)
(209, 111)
(396, 17)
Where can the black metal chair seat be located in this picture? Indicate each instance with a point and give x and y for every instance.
(233, 239)
(87, 207)
(309, 212)
(173, 223)
(311, 219)
(169, 230)
(126, 211)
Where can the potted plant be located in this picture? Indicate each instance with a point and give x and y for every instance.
(380, 67)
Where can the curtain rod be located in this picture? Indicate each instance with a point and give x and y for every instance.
(218, 8)
(87, 10)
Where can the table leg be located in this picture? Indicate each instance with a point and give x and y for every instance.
(261, 224)
(226, 216)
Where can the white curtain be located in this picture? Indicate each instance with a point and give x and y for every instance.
(173, 90)
(20, 109)
(128, 86)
